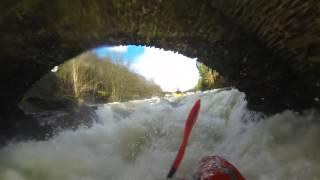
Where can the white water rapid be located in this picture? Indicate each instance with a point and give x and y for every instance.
(138, 140)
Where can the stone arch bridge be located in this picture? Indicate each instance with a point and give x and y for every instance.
(269, 49)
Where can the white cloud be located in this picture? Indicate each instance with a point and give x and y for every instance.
(170, 70)
(118, 49)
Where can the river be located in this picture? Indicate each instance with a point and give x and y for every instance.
(138, 140)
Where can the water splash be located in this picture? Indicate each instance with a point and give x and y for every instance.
(139, 139)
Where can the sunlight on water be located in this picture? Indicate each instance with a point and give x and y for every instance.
(139, 139)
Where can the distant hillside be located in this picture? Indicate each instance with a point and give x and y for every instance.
(209, 78)
(89, 79)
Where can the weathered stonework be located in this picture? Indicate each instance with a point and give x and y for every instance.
(268, 48)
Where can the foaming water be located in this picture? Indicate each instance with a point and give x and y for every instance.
(139, 139)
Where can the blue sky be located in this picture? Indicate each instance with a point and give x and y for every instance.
(128, 53)
(171, 71)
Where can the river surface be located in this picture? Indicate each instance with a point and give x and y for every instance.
(138, 140)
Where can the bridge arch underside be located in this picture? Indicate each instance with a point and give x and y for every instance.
(269, 49)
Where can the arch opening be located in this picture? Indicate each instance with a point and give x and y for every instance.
(97, 75)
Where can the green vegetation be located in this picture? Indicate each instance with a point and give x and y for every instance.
(209, 78)
(87, 78)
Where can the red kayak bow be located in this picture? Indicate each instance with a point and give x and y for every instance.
(210, 167)
(216, 168)
(187, 131)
